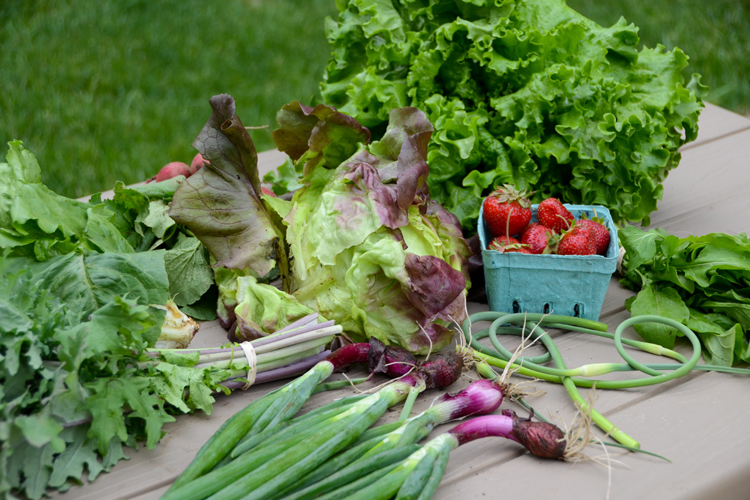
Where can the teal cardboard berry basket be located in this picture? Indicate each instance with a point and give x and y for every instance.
(571, 285)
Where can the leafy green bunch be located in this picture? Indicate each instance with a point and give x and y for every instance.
(86, 252)
(702, 282)
(77, 285)
(73, 392)
(524, 92)
(361, 242)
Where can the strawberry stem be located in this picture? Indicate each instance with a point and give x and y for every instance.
(507, 222)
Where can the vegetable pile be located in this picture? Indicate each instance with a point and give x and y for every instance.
(702, 282)
(361, 242)
(527, 92)
(86, 253)
(259, 450)
(475, 93)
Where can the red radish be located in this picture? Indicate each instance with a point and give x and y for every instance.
(601, 234)
(197, 163)
(552, 214)
(392, 360)
(173, 169)
(267, 191)
(441, 370)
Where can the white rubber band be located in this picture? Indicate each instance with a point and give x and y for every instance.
(620, 256)
(252, 360)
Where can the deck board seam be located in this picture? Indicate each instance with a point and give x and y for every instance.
(713, 139)
(148, 489)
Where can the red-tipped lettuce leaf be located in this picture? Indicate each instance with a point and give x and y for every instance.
(406, 141)
(433, 284)
(322, 134)
(365, 246)
(221, 203)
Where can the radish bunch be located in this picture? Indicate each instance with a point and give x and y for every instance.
(177, 168)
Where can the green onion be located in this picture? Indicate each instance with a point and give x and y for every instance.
(479, 397)
(290, 398)
(278, 462)
(418, 476)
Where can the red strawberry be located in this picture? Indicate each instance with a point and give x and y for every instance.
(506, 211)
(601, 234)
(552, 214)
(578, 240)
(538, 237)
(507, 244)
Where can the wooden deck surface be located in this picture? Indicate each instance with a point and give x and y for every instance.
(700, 422)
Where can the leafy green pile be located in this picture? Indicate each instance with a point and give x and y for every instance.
(525, 92)
(701, 281)
(73, 392)
(77, 285)
(125, 245)
(361, 242)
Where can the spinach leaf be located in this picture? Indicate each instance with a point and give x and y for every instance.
(190, 275)
(701, 281)
(666, 303)
(86, 283)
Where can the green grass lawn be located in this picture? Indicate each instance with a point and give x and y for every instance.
(111, 90)
(106, 90)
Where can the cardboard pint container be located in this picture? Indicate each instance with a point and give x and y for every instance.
(570, 285)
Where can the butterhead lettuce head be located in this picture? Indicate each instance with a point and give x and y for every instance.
(367, 246)
(361, 241)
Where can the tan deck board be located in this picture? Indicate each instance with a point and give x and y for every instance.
(715, 122)
(708, 191)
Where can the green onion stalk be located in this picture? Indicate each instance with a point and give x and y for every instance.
(265, 413)
(286, 353)
(387, 445)
(238, 454)
(418, 475)
(295, 451)
(572, 378)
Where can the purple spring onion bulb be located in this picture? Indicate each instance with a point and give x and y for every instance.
(540, 438)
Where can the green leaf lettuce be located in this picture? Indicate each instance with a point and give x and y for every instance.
(527, 92)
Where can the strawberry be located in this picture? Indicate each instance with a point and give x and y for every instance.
(601, 234)
(578, 240)
(552, 214)
(506, 211)
(507, 244)
(539, 238)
